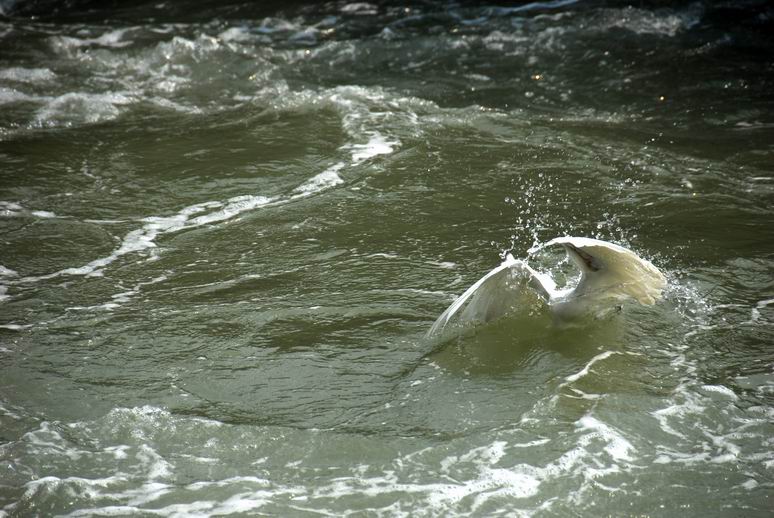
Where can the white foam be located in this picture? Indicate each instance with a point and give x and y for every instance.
(46, 438)
(472, 481)
(107, 306)
(685, 458)
(82, 107)
(720, 389)
(242, 503)
(239, 34)
(156, 466)
(690, 405)
(27, 75)
(170, 86)
(377, 145)
(359, 8)
(11, 95)
(550, 4)
(233, 207)
(118, 452)
(617, 446)
(491, 482)
(353, 102)
(509, 483)
(530, 444)
(365, 112)
(13, 327)
(114, 38)
(7, 272)
(142, 495)
(272, 25)
(755, 313)
(43, 214)
(143, 238)
(583, 372)
(9, 208)
(645, 21)
(34, 485)
(325, 180)
(126, 296)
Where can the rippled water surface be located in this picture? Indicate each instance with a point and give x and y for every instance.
(225, 229)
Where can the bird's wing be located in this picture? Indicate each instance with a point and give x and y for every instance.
(510, 285)
(611, 271)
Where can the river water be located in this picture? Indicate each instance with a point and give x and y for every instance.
(225, 229)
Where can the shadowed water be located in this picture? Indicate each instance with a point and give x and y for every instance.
(225, 230)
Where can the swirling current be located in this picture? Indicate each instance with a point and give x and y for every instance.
(225, 228)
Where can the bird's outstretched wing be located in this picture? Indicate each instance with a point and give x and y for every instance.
(611, 272)
(507, 288)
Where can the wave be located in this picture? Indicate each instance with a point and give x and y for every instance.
(355, 105)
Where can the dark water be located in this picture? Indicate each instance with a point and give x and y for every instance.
(225, 229)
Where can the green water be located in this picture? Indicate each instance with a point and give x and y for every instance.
(225, 230)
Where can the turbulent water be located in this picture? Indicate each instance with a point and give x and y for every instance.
(225, 229)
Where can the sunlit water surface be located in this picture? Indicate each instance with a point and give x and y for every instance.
(225, 230)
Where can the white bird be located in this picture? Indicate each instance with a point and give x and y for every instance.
(610, 274)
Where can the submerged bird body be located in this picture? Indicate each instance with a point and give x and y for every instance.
(610, 275)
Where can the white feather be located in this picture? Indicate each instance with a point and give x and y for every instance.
(610, 274)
